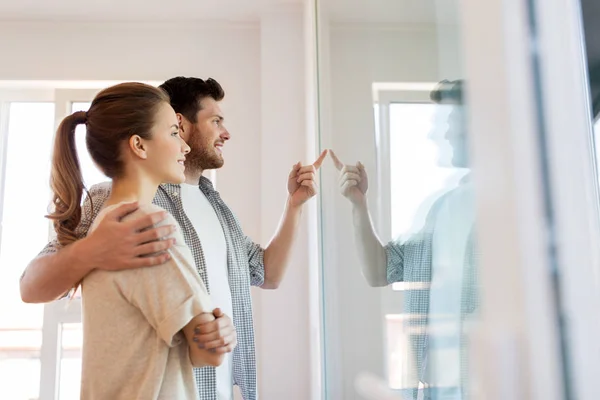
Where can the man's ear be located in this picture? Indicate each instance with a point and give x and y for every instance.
(138, 146)
(180, 119)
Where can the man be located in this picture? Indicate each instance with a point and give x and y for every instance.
(227, 260)
(440, 259)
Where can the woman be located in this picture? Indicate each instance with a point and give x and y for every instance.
(137, 324)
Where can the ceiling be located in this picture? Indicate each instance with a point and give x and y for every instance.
(414, 12)
(136, 10)
(369, 11)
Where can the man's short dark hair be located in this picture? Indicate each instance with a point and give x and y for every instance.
(448, 92)
(187, 93)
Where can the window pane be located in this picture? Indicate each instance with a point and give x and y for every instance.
(418, 143)
(24, 234)
(70, 361)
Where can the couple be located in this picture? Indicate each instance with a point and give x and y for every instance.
(145, 328)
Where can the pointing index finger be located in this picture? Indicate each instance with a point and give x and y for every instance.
(336, 161)
(317, 164)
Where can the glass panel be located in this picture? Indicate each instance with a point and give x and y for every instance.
(399, 254)
(24, 234)
(416, 143)
(70, 361)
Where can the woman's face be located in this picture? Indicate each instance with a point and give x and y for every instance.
(166, 150)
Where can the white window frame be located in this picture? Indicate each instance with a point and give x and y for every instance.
(13, 95)
(66, 310)
(385, 94)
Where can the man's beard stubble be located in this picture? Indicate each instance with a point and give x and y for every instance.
(200, 157)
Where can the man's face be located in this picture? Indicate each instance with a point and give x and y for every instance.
(457, 137)
(449, 133)
(205, 137)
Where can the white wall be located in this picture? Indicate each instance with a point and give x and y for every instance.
(284, 342)
(354, 57)
(262, 69)
(137, 51)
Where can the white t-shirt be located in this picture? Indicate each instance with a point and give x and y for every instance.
(133, 346)
(453, 225)
(210, 232)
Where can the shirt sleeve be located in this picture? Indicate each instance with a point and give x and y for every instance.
(169, 295)
(394, 253)
(256, 261)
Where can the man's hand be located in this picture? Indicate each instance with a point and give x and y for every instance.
(301, 182)
(218, 335)
(354, 182)
(116, 244)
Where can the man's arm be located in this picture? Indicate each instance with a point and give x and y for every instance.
(277, 253)
(372, 253)
(49, 277)
(301, 187)
(113, 245)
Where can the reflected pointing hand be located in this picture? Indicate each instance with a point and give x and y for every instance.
(353, 181)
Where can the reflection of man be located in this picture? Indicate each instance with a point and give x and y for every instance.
(440, 259)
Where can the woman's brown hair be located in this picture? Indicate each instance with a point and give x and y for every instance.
(116, 113)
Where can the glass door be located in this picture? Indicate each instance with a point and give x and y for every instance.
(459, 215)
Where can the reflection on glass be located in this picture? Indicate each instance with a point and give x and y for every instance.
(427, 270)
(26, 196)
(417, 143)
(434, 260)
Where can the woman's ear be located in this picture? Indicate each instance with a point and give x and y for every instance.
(138, 146)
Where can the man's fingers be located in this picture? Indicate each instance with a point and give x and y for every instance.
(349, 169)
(346, 186)
(146, 249)
(306, 176)
(148, 221)
(295, 169)
(319, 161)
(336, 161)
(122, 211)
(153, 234)
(159, 259)
(349, 175)
(310, 184)
(345, 179)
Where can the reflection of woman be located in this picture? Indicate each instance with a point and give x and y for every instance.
(138, 324)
